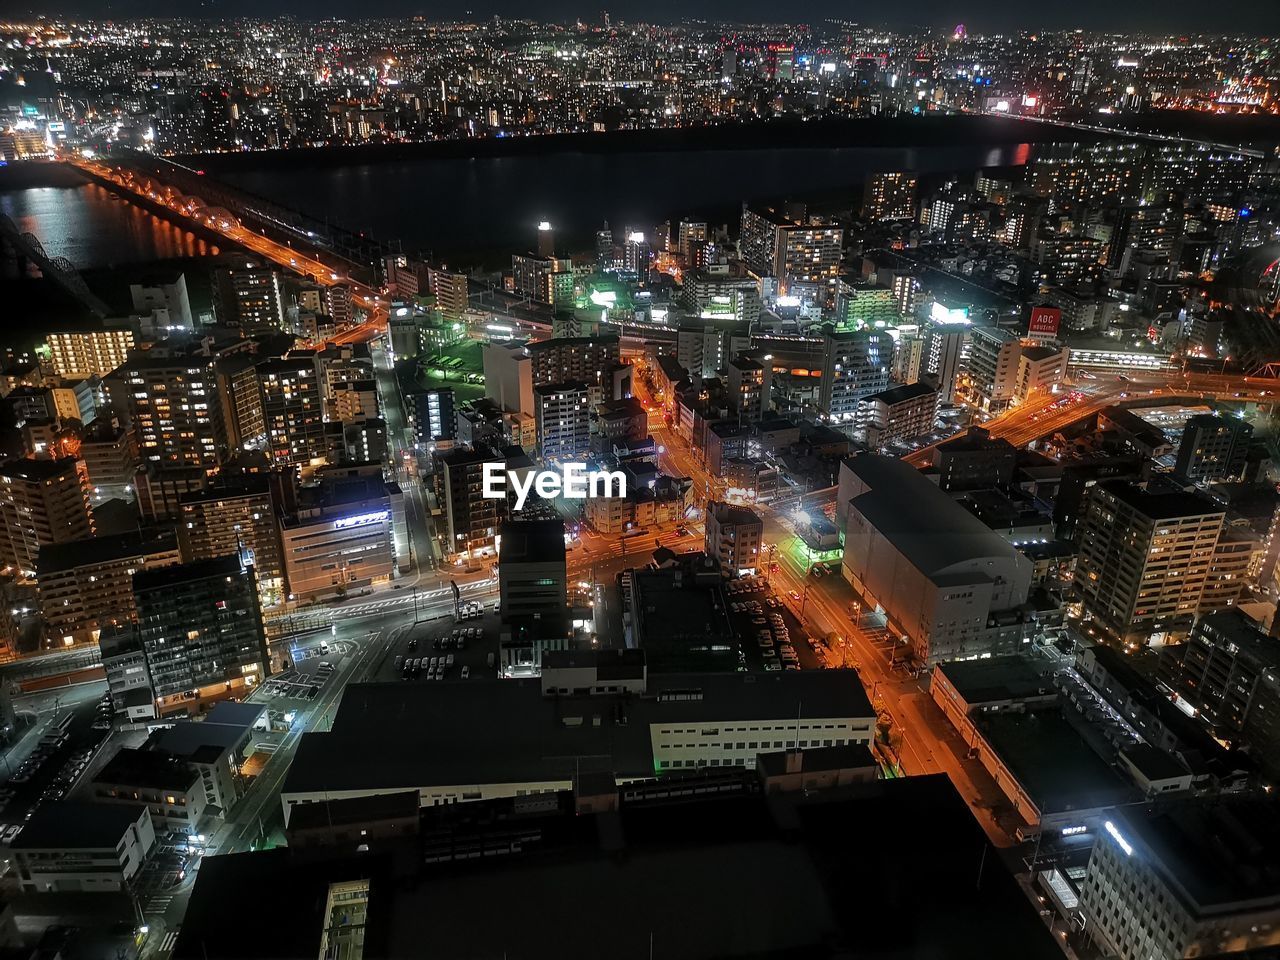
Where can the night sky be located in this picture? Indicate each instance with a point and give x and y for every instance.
(1212, 16)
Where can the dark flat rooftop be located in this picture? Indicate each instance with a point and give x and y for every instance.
(74, 825)
(1012, 677)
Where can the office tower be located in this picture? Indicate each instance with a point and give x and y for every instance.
(733, 538)
(542, 279)
(636, 254)
(691, 232)
(1183, 880)
(574, 358)
(201, 630)
(775, 244)
(93, 353)
(41, 502)
(291, 410)
(174, 410)
(508, 375)
(450, 291)
(562, 414)
(1213, 448)
(942, 353)
(87, 585)
(604, 248)
(471, 519)
(889, 196)
(750, 382)
(546, 240)
(1144, 558)
(855, 364)
(237, 516)
(167, 294)
(994, 356)
(434, 419)
(532, 581)
(251, 297)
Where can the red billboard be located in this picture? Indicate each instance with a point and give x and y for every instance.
(1044, 322)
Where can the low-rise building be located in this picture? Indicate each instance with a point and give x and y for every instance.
(170, 788)
(73, 847)
(734, 537)
(898, 414)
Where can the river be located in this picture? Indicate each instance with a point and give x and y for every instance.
(483, 208)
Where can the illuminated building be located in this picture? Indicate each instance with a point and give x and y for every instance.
(174, 410)
(1144, 559)
(86, 585)
(889, 196)
(201, 630)
(348, 534)
(900, 413)
(471, 519)
(41, 502)
(772, 243)
(237, 516)
(291, 410)
(733, 539)
(562, 412)
(855, 364)
(92, 353)
(1213, 448)
(1184, 880)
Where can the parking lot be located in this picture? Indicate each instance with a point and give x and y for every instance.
(446, 649)
(770, 636)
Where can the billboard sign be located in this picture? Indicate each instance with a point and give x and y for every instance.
(1044, 322)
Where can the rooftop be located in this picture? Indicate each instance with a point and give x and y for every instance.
(1013, 677)
(60, 557)
(147, 768)
(74, 825)
(929, 528)
(1052, 761)
(506, 731)
(1161, 506)
(684, 878)
(532, 541)
(902, 393)
(1218, 854)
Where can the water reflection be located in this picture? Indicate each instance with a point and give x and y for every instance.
(93, 228)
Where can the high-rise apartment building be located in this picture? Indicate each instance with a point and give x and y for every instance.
(200, 627)
(889, 196)
(450, 291)
(750, 382)
(237, 517)
(585, 359)
(90, 353)
(855, 364)
(174, 410)
(1213, 448)
(251, 297)
(291, 410)
(942, 353)
(774, 243)
(167, 294)
(41, 502)
(542, 279)
(563, 418)
(471, 519)
(434, 417)
(733, 538)
(1144, 558)
(86, 585)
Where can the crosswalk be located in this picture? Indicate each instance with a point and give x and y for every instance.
(407, 598)
(169, 941)
(157, 905)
